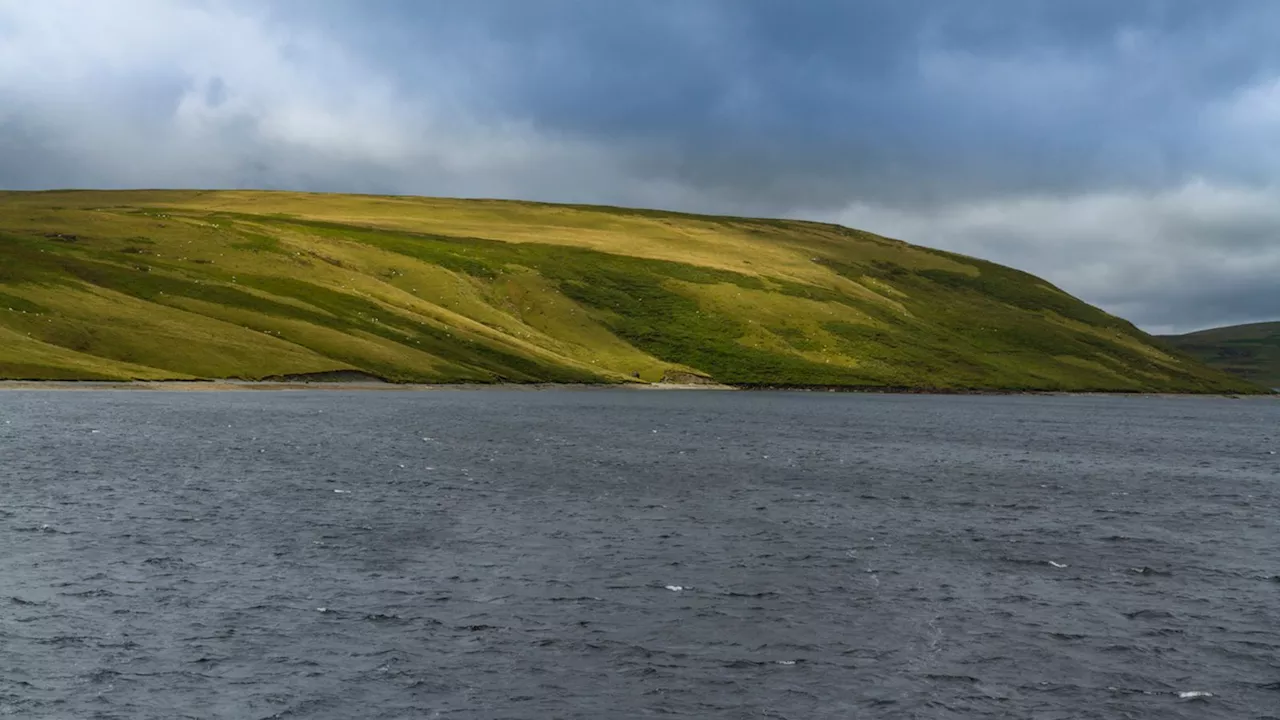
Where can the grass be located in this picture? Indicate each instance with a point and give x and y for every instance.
(1249, 351)
(155, 284)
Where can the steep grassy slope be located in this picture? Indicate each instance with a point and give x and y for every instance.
(178, 284)
(1249, 351)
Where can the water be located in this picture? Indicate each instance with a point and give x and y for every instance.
(602, 554)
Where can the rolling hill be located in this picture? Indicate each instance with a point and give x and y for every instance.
(239, 284)
(1249, 351)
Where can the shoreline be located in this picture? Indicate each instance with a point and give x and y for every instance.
(227, 385)
(231, 385)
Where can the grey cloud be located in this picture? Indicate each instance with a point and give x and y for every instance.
(1170, 260)
(766, 106)
(894, 101)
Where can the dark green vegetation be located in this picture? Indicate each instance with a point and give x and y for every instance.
(181, 284)
(1250, 351)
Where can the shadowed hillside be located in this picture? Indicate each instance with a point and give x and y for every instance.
(1250, 351)
(188, 284)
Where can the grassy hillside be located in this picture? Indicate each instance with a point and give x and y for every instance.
(1250, 351)
(188, 284)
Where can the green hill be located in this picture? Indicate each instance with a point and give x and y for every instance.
(1250, 351)
(189, 284)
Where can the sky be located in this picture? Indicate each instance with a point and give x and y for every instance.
(1128, 152)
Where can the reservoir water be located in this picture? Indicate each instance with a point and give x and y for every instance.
(628, 554)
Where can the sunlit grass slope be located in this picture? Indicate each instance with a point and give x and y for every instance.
(1249, 351)
(187, 284)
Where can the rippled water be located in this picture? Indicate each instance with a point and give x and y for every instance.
(600, 554)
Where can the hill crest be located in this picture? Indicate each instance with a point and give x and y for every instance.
(249, 284)
(1251, 351)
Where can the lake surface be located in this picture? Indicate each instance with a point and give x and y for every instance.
(629, 554)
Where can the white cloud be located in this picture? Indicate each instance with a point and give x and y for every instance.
(1147, 256)
(151, 92)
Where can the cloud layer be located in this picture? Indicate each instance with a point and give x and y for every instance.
(1129, 152)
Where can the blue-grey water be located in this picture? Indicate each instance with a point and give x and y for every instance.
(625, 554)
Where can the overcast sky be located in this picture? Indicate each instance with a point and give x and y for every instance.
(1128, 151)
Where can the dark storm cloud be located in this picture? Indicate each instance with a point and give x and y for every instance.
(1126, 150)
(774, 104)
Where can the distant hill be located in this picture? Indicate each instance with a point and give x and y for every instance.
(193, 284)
(1250, 351)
